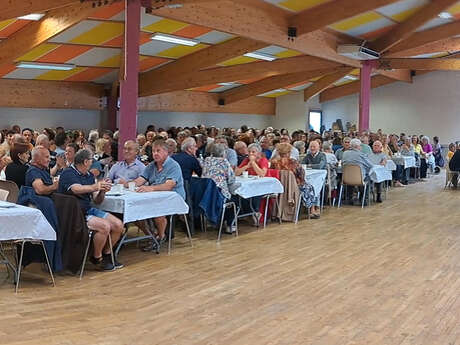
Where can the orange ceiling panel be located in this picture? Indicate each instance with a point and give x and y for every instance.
(192, 31)
(108, 12)
(13, 27)
(64, 53)
(149, 62)
(5, 69)
(90, 74)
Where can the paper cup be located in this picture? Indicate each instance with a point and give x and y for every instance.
(245, 174)
(132, 186)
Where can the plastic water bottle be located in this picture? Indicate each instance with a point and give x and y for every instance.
(106, 171)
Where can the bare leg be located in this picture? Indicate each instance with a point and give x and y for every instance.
(101, 228)
(116, 229)
(160, 223)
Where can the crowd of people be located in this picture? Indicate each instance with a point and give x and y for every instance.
(86, 166)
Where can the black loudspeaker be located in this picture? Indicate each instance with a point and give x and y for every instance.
(221, 101)
(413, 73)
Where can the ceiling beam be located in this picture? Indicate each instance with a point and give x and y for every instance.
(328, 13)
(323, 83)
(16, 8)
(268, 84)
(266, 25)
(407, 28)
(397, 74)
(446, 45)
(422, 38)
(36, 33)
(451, 64)
(188, 65)
(253, 70)
(352, 88)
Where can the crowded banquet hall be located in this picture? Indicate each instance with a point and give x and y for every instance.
(229, 172)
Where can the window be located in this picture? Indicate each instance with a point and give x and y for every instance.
(315, 119)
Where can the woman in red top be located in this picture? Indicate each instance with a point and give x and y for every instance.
(255, 163)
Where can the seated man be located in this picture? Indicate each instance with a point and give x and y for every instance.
(79, 181)
(241, 151)
(187, 160)
(130, 168)
(378, 157)
(354, 156)
(38, 176)
(454, 166)
(315, 158)
(163, 174)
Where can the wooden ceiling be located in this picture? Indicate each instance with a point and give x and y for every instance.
(411, 35)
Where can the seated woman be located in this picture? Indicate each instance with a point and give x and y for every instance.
(451, 151)
(284, 162)
(217, 168)
(255, 164)
(4, 161)
(16, 171)
(427, 153)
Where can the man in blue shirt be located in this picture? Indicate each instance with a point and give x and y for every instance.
(38, 176)
(130, 168)
(79, 181)
(187, 160)
(163, 174)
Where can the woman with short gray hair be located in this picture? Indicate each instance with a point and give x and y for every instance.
(256, 164)
(217, 168)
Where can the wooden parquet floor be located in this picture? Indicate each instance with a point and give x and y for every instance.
(388, 274)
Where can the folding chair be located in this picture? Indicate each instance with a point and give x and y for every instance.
(13, 190)
(85, 257)
(352, 176)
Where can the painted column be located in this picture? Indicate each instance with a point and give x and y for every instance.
(365, 95)
(129, 75)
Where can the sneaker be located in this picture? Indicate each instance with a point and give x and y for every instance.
(106, 263)
(95, 261)
(109, 259)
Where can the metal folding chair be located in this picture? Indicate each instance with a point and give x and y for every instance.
(85, 257)
(352, 176)
(189, 234)
(23, 242)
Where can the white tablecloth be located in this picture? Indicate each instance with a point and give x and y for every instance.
(379, 173)
(20, 222)
(137, 206)
(390, 165)
(406, 161)
(316, 178)
(255, 186)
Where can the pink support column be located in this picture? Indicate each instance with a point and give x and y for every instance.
(129, 82)
(365, 95)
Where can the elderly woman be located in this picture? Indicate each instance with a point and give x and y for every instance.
(427, 152)
(255, 164)
(300, 146)
(217, 168)
(4, 161)
(451, 151)
(103, 151)
(284, 162)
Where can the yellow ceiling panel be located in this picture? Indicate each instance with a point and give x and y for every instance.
(356, 21)
(287, 53)
(100, 34)
(402, 16)
(5, 23)
(167, 26)
(277, 94)
(454, 9)
(355, 72)
(179, 51)
(60, 75)
(114, 61)
(300, 5)
(238, 61)
(38, 52)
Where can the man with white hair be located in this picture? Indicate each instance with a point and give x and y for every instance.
(172, 146)
(43, 140)
(285, 138)
(38, 176)
(315, 158)
(187, 159)
(354, 156)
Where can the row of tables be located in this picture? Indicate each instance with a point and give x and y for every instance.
(20, 222)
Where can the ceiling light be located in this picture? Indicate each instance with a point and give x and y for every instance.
(279, 90)
(33, 16)
(47, 66)
(226, 84)
(174, 39)
(445, 15)
(261, 56)
(350, 77)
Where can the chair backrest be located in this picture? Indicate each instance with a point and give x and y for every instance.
(351, 175)
(3, 194)
(13, 190)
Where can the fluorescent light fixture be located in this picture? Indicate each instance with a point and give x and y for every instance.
(260, 56)
(445, 15)
(278, 90)
(350, 77)
(174, 39)
(226, 84)
(48, 66)
(33, 16)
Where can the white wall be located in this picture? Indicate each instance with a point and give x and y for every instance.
(292, 111)
(41, 118)
(430, 106)
(169, 119)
